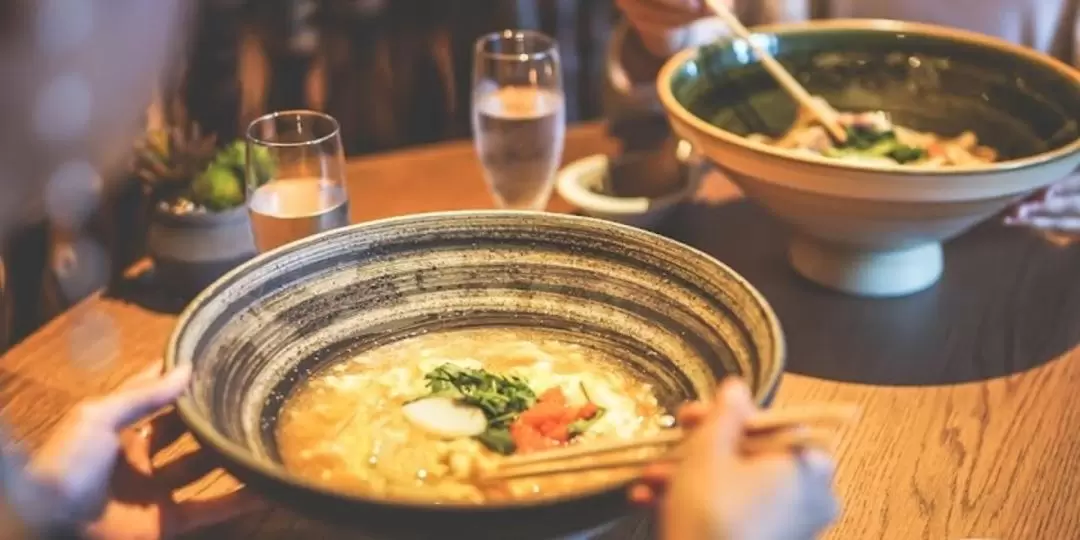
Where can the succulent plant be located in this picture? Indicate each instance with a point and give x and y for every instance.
(221, 185)
(168, 160)
(218, 188)
(185, 171)
(234, 156)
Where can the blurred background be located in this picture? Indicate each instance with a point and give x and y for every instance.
(353, 58)
(394, 73)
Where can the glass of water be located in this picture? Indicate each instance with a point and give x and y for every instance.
(518, 116)
(295, 177)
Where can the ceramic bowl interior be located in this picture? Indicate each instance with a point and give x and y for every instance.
(678, 318)
(943, 82)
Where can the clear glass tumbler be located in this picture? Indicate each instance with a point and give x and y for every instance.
(295, 177)
(518, 116)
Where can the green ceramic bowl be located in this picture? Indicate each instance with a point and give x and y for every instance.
(941, 82)
(873, 229)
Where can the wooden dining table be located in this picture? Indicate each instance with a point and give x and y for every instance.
(970, 391)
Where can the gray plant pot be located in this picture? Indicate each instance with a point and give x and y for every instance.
(191, 251)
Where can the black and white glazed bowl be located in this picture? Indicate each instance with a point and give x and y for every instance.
(678, 317)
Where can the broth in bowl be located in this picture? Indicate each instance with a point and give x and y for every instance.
(421, 419)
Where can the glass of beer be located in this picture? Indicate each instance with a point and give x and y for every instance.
(295, 177)
(518, 116)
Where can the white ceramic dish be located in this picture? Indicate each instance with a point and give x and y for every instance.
(579, 183)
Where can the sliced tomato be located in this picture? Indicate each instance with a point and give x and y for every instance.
(528, 439)
(547, 423)
(560, 433)
(553, 396)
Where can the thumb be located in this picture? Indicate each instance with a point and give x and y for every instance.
(726, 423)
(134, 401)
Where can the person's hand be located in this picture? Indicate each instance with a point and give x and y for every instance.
(1056, 211)
(717, 492)
(664, 26)
(95, 475)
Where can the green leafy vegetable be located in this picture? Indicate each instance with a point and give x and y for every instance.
(865, 142)
(581, 426)
(881, 148)
(502, 399)
(862, 139)
(905, 154)
(585, 392)
(496, 395)
(498, 440)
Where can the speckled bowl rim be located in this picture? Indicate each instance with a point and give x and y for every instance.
(885, 26)
(206, 434)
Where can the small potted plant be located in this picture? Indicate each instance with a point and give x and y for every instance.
(199, 227)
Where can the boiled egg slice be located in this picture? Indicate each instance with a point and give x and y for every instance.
(445, 417)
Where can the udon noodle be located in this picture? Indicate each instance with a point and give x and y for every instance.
(874, 139)
(420, 418)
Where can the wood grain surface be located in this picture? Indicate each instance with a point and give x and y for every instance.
(971, 422)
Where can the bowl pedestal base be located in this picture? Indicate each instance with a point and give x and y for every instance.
(867, 273)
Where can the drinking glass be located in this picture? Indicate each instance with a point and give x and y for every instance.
(295, 177)
(518, 116)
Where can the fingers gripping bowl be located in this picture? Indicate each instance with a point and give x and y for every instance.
(868, 226)
(552, 302)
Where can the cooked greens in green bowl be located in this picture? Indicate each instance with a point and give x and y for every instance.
(905, 97)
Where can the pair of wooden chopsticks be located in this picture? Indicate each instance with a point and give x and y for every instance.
(811, 426)
(821, 110)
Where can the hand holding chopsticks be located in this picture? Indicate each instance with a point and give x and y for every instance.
(718, 490)
(729, 471)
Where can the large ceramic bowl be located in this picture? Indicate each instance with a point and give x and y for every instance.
(874, 230)
(678, 318)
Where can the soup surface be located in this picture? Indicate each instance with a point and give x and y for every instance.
(423, 418)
